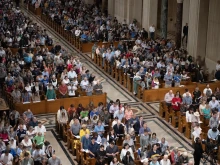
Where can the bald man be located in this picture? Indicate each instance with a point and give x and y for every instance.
(54, 160)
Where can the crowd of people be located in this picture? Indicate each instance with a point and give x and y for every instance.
(201, 108)
(32, 69)
(23, 141)
(90, 124)
(88, 23)
(39, 70)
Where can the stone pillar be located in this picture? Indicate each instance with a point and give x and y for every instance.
(213, 36)
(134, 11)
(198, 25)
(88, 2)
(104, 5)
(179, 18)
(121, 10)
(111, 7)
(164, 14)
(149, 14)
(186, 4)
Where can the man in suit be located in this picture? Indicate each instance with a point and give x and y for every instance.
(119, 128)
(139, 124)
(185, 32)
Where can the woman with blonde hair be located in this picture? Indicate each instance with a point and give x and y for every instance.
(128, 140)
(155, 83)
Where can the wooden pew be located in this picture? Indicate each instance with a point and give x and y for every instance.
(162, 109)
(168, 113)
(45, 107)
(188, 130)
(182, 123)
(175, 118)
(158, 94)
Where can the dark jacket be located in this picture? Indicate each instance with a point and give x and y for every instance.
(137, 126)
(127, 160)
(118, 129)
(198, 151)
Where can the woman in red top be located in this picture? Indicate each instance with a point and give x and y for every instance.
(176, 102)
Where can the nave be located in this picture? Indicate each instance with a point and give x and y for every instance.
(114, 91)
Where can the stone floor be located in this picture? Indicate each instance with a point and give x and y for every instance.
(114, 91)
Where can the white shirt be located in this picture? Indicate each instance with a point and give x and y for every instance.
(13, 144)
(72, 74)
(124, 151)
(66, 81)
(188, 117)
(71, 90)
(27, 144)
(31, 134)
(205, 90)
(35, 153)
(113, 109)
(117, 53)
(38, 129)
(213, 104)
(163, 162)
(83, 84)
(77, 32)
(7, 159)
(184, 95)
(151, 29)
(28, 89)
(2, 52)
(168, 98)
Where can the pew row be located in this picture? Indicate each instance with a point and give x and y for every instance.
(45, 107)
(15, 50)
(35, 11)
(158, 94)
(73, 40)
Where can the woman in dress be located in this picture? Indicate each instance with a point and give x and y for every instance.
(136, 81)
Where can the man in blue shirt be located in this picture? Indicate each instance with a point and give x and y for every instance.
(177, 79)
(144, 128)
(168, 79)
(99, 128)
(187, 100)
(84, 37)
(85, 142)
(120, 114)
(93, 148)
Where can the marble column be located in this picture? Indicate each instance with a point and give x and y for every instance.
(134, 11)
(104, 5)
(111, 7)
(164, 17)
(198, 25)
(213, 36)
(186, 6)
(179, 18)
(149, 14)
(120, 11)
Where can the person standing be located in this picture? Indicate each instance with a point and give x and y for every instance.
(152, 31)
(185, 32)
(198, 151)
